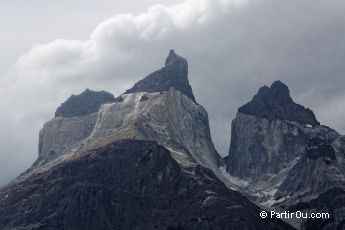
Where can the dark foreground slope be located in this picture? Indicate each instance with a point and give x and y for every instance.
(332, 202)
(128, 184)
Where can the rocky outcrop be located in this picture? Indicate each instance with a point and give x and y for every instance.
(331, 202)
(261, 147)
(316, 172)
(83, 104)
(263, 143)
(319, 148)
(74, 121)
(127, 184)
(339, 147)
(59, 135)
(168, 116)
(275, 103)
(284, 160)
(173, 75)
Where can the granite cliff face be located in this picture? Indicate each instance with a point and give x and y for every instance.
(339, 147)
(142, 161)
(74, 121)
(270, 132)
(170, 118)
(260, 146)
(280, 152)
(163, 111)
(59, 135)
(316, 172)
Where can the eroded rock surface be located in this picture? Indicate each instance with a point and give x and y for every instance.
(165, 112)
(59, 135)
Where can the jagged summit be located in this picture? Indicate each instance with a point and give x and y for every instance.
(83, 104)
(173, 58)
(173, 75)
(278, 90)
(275, 102)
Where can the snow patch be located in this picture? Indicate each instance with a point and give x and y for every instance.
(234, 180)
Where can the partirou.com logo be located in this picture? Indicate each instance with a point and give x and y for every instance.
(291, 215)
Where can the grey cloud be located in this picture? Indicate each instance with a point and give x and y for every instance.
(233, 48)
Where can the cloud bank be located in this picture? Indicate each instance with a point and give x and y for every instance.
(233, 48)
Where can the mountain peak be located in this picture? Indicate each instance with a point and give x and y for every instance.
(173, 75)
(173, 58)
(278, 91)
(83, 104)
(275, 102)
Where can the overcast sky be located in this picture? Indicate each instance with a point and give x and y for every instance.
(51, 49)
